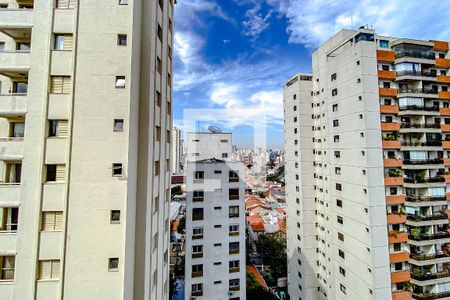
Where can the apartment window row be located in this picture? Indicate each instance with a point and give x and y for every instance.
(233, 176)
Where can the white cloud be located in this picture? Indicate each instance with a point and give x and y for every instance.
(256, 22)
(311, 22)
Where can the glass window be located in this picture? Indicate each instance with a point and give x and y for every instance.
(384, 44)
(59, 42)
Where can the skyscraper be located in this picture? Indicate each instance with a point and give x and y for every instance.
(86, 91)
(215, 219)
(367, 159)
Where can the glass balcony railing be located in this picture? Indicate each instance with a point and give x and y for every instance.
(433, 161)
(415, 73)
(436, 216)
(417, 91)
(436, 143)
(423, 257)
(427, 237)
(419, 107)
(419, 126)
(424, 179)
(415, 54)
(414, 198)
(430, 296)
(430, 276)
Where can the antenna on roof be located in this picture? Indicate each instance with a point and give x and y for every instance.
(214, 129)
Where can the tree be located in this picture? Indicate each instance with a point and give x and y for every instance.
(176, 190)
(182, 225)
(256, 291)
(273, 252)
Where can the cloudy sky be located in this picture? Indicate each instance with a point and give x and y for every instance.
(232, 56)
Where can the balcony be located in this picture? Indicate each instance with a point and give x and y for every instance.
(423, 182)
(415, 54)
(445, 127)
(443, 78)
(400, 276)
(414, 198)
(382, 74)
(430, 237)
(393, 181)
(385, 56)
(446, 144)
(440, 46)
(412, 127)
(395, 199)
(14, 60)
(398, 257)
(423, 164)
(387, 92)
(444, 111)
(13, 104)
(389, 109)
(15, 18)
(423, 260)
(396, 218)
(429, 278)
(401, 295)
(419, 110)
(11, 148)
(10, 192)
(444, 95)
(422, 92)
(433, 217)
(442, 63)
(397, 237)
(390, 126)
(414, 144)
(431, 296)
(391, 144)
(414, 75)
(392, 162)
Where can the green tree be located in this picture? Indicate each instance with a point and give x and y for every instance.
(255, 291)
(273, 252)
(182, 225)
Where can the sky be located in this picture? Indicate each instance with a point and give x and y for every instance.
(231, 57)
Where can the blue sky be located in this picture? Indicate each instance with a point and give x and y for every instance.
(232, 56)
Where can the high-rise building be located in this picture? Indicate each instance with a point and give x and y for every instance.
(215, 220)
(85, 118)
(367, 158)
(177, 151)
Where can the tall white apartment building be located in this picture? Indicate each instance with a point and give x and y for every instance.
(85, 123)
(367, 163)
(215, 220)
(177, 151)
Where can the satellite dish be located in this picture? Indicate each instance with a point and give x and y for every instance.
(214, 129)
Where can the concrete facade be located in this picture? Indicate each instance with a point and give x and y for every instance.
(86, 124)
(364, 160)
(177, 151)
(215, 222)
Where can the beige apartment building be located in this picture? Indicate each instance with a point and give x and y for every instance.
(85, 123)
(367, 140)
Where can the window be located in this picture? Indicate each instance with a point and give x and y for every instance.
(337, 170)
(341, 253)
(158, 65)
(233, 194)
(197, 232)
(358, 80)
(335, 123)
(156, 168)
(120, 82)
(233, 265)
(199, 175)
(385, 67)
(64, 4)
(234, 229)
(9, 219)
(338, 203)
(333, 77)
(336, 138)
(397, 247)
(63, 42)
(295, 119)
(160, 33)
(58, 128)
(197, 289)
(233, 176)
(198, 196)
(335, 107)
(295, 107)
(197, 214)
(234, 211)
(121, 39)
(161, 4)
(234, 284)
(340, 220)
(342, 287)
(337, 154)
(7, 265)
(217, 172)
(118, 125)
(217, 207)
(60, 85)
(52, 221)
(158, 98)
(49, 269)
(113, 264)
(334, 92)
(224, 141)
(197, 270)
(386, 85)
(114, 217)
(233, 247)
(294, 96)
(384, 44)
(123, 2)
(224, 155)
(218, 282)
(217, 263)
(158, 133)
(197, 249)
(55, 173)
(340, 236)
(117, 169)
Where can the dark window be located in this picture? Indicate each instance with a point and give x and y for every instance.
(160, 37)
(197, 214)
(341, 253)
(335, 123)
(115, 216)
(335, 107)
(234, 211)
(51, 173)
(233, 194)
(338, 187)
(334, 92)
(333, 77)
(338, 203)
(386, 85)
(122, 39)
(117, 169)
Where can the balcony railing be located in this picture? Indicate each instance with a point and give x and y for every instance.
(435, 143)
(417, 91)
(434, 161)
(414, 198)
(418, 126)
(430, 276)
(415, 54)
(422, 257)
(424, 180)
(415, 73)
(435, 216)
(419, 107)
(427, 237)
(431, 296)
